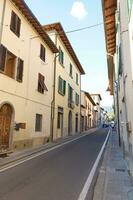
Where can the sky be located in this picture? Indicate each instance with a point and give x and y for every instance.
(88, 44)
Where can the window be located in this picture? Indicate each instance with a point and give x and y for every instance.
(15, 24)
(41, 84)
(20, 70)
(38, 125)
(42, 52)
(70, 97)
(61, 86)
(77, 81)
(76, 99)
(8, 64)
(60, 118)
(61, 56)
(71, 70)
(129, 2)
(2, 58)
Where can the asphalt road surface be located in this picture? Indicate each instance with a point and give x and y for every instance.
(56, 175)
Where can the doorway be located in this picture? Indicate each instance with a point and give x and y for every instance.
(5, 125)
(70, 123)
(76, 123)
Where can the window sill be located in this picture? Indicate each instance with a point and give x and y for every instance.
(18, 35)
(61, 93)
(61, 64)
(1, 72)
(71, 76)
(44, 61)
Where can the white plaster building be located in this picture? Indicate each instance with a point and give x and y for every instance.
(67, 85)
(119, 43)
(26, 77)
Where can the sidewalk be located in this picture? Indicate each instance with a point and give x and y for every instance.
(20, 155)
(114, 182)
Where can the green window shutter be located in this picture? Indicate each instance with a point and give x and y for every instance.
(62, 57)
(64, 87)
(120, 62)
(77, 99)
(59, 54)
(59, 84)
(76, 78)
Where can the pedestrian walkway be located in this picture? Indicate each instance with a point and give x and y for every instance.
(114, 182)
(22, 154)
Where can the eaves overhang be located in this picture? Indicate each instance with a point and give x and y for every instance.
(58, 27)
(109, 10)
(25, 10)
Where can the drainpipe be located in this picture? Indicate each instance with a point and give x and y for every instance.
(2, 20)
(53, 100)
(80, 106)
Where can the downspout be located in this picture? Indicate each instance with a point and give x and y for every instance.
(53, 100)
(2, 20)
(80, 106)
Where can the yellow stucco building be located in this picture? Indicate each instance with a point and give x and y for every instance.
(88, 112)
(67, 84)
(26, 77)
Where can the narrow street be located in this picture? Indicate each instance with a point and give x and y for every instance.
(57, 175)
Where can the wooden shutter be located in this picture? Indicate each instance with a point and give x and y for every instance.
(3, 52)
(41, 84)
(15, 23)
(18, 25)
(42, 52)
(64, 87)
(20, 70)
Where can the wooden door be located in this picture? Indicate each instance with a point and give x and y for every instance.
(5, 123)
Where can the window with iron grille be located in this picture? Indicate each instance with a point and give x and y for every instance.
(38, 123)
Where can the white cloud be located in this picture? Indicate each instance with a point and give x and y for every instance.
(78, 10)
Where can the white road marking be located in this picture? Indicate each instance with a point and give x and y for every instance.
(88, 182)
(8, 166)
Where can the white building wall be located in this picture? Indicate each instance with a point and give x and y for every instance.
(24, 97)
(62, 101)
(126, 85)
